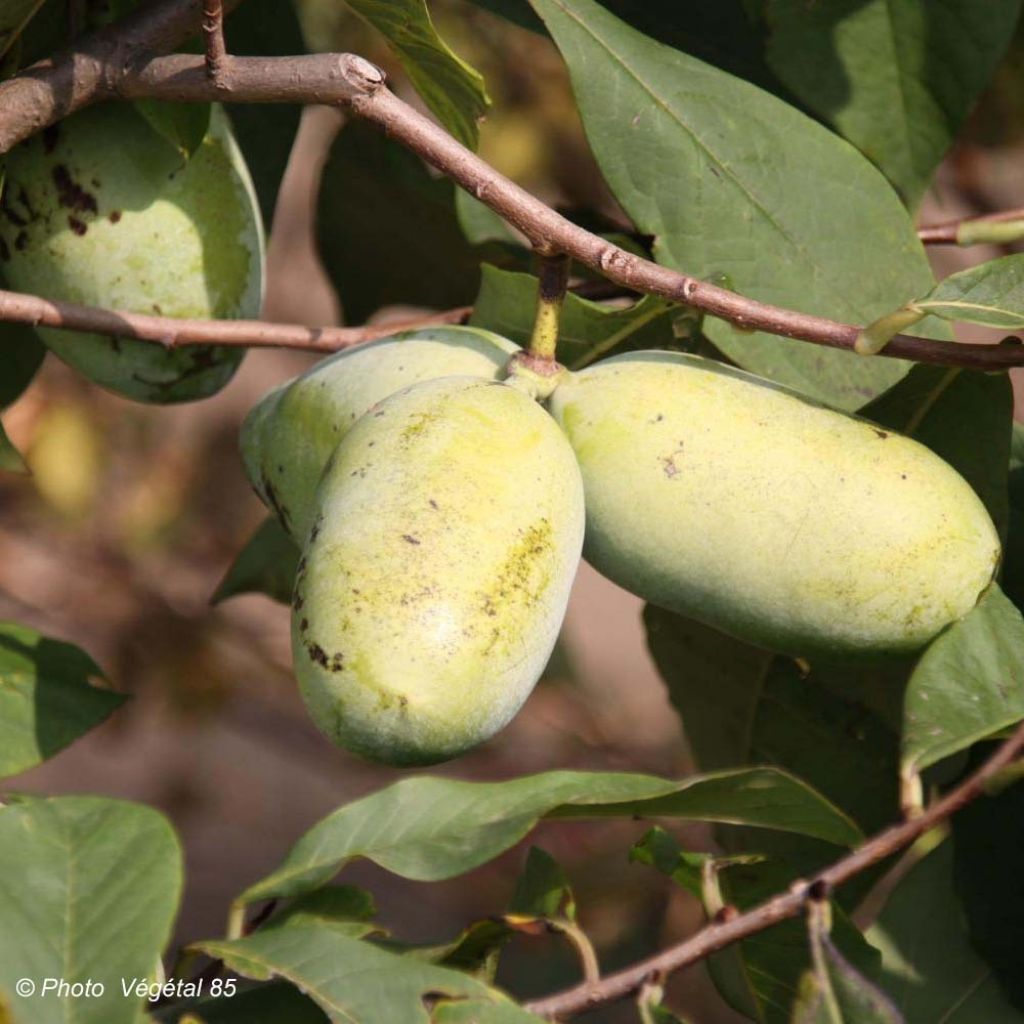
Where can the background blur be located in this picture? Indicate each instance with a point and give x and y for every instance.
(134, 513)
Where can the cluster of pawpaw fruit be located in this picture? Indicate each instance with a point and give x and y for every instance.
(441, 510)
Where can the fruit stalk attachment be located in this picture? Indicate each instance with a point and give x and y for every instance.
(554, 283)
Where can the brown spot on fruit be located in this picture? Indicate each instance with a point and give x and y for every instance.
(114, 216)
(78, 226)
(410, 539)
(51, 134)
(883, 434)
(70, 194)
(318, 654)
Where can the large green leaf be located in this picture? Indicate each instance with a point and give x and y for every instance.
(964, 417)
(732, 181)
(88, 890)
(265, 131)
(266, 565)
(929, 968)
(428, 828)
(990, 293)
(452, 89)
(387, 229)
(968, 684)
(507, 301)
(742, 705)
(895, 77)
(355, 982)
(48, 697)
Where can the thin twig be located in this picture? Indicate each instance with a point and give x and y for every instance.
(38, 312)
(949, 232)
(352, 80)
(213, 38)
(789, 904)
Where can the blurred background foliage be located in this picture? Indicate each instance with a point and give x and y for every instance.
(132, 515)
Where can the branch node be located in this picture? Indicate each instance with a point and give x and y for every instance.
(361, 73)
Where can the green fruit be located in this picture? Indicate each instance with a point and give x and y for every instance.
(448, 529)
(289, 436)
(101, 209)
(741, 504)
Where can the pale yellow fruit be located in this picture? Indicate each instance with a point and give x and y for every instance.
(448, 529)
(101, 209)
(288, 437)
(741, 504)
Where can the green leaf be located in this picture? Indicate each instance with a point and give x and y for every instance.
(341, 906)
(428, 828)
(10, 458)
(895, 77)
(473, 1011)
(21, 355)
(266, 565)
(742, 705)
(48, 697)
(968, 684)
(276, 1002)
(838, 993)
(990, 293)
(265, 132)
(929, 969)
(732, 181)
(88, 891)
(542, 889)
(184, 125)
(387, 229)
(964, 417)
(1013, 550)
(352, 981)
(452, 89)
(506, 304)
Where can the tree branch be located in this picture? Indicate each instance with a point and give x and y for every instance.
(173, 333)
(353, 81)
(789, 904)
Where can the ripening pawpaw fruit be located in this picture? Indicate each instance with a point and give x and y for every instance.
(748, 507)
(101, 209)
(290, 434)
(447, 530)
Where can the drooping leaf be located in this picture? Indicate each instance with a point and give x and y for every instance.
(339, 906)
(266, 565)
(354, 982)
(452, 89)
(48, 697)
(428, 828)
(265, 131)
(742, 705)
(964, 417)
(10, 458)
(88, 891)
(895, 77)
(276, 1002)
(387, 229)
(968, 684)
(732, 181)
(506, 303)
(929, 969)
(990, 293)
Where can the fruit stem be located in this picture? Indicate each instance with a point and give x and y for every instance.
(554, 282)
